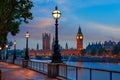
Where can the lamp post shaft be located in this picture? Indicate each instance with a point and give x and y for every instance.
(0, 55)
(26, 44)
(56, 57)
(26, 51)
(56, 32)
(14, 55)
(6, 51)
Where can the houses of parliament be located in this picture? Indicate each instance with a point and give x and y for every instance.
(47, 51)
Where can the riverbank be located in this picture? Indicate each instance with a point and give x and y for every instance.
(84, 59)
(92, 59)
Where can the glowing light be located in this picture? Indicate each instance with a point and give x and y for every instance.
(27, 35)
(56, 13)
(0, 48)
(14, 42)
(81, 37)
(6, 46)
(77, 37)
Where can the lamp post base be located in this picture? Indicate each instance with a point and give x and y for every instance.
(56, 58)
(25, 63)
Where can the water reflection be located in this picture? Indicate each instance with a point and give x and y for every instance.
(107, 66)
(84, 74)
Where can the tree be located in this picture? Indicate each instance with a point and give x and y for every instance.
(101, 51)
(116, 49)
(93, 51)
(12, 14)
(83, 52)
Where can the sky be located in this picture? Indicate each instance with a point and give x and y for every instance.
(99, 21)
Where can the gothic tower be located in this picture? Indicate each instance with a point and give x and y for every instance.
(66, 47)
(37, 48)
(46, 41)
(79, 39)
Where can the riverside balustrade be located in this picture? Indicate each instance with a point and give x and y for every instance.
(74, 72)
(83, 73)
(39, 66)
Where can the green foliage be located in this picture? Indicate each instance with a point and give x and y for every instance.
(116, 49)
(83, 51)
(101, 51)
(12, 14)
(93, 51)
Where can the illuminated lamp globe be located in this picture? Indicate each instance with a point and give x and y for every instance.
(56, 13)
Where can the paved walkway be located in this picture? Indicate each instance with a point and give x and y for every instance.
(14, 72)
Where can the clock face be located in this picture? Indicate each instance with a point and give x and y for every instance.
(77, 37)
(81, 37)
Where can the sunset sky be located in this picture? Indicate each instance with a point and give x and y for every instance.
(98, 19)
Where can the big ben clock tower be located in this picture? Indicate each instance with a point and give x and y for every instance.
(79, 39)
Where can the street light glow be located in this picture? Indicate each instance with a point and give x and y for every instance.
(6, 46)
(56, 13)
(0, 48)
(14, 42)
(27, 35)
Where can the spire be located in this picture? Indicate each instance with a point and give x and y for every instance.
(66, 46)
(37, 46)
(79, 31)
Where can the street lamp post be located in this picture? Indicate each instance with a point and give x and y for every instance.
(56, 57)
(0, 53)
(6, 46)
(14, 55)
(27, 35)
(53, 69)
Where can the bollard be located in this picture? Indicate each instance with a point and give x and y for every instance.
(0, 74)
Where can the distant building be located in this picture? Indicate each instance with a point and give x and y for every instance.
(46, 51)
(46, 41)
(37, 47)
(107, 46)
(94, 46)
(66, 46)
(79, 40)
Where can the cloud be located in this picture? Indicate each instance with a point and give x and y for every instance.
(100, 32)
(40, 22)
(60, 1)
(108, 29)
(41, 0)
(85, 3)
(36, 27)
(44, 10)
(88, 3)
(56, 1)
(40, 10)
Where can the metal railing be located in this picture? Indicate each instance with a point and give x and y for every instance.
(18, 62)
(83, 73)
(39, 66)
(74, 72)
